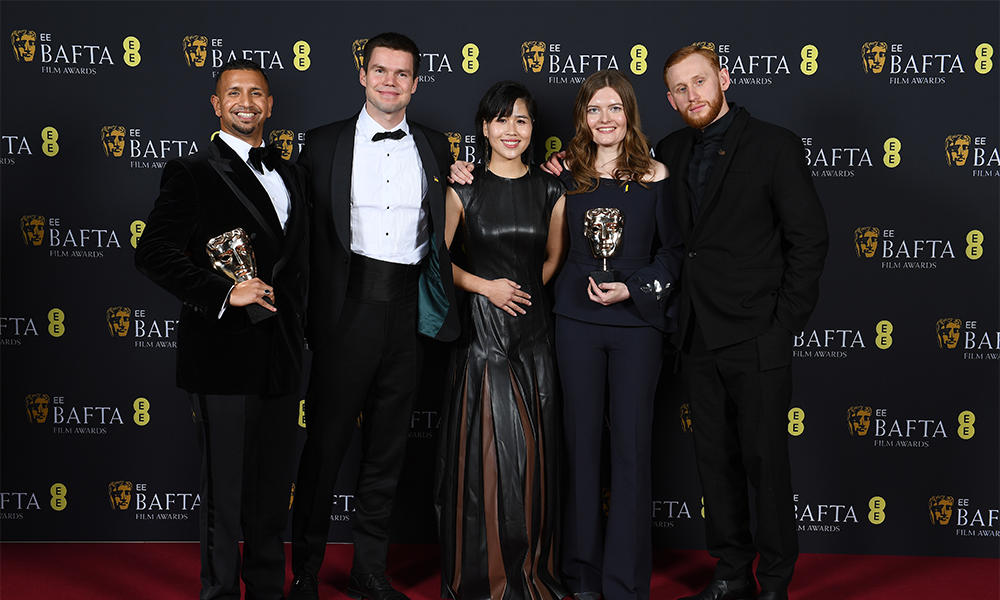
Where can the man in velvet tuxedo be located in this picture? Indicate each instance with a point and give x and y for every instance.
(756, 239)
(381, 275)
(242, 374)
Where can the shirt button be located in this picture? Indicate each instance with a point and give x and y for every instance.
(692, 254)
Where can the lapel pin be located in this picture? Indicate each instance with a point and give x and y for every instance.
(722, 152)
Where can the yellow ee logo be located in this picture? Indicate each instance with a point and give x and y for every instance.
(796, 421)
(966, 419)
(984, 54)
(302, 414)
(58, 493)
(470, 58)
(300, 51)
(131, 45)
(809, 66)
(56, 319)
(141, 415)
(638, 54)
(877, 513)
(891, 157)
(552, 145)
(702, 507)
(883, 338)
(49, 146)
(136, 228)
(975, 248)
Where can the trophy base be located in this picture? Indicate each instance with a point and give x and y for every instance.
(258, 313)
(608, 276)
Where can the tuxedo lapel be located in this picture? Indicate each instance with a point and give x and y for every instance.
(431, 173)
(295, 226)
(244, 185)
(340, 182)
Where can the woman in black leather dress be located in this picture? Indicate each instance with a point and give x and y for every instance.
(496, 488)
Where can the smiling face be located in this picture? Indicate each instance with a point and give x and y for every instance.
(509, 136)
(242, 102)
(389, 83)
(696, 90)
(606, 118)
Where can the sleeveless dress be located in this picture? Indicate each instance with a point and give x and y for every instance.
(497, 467)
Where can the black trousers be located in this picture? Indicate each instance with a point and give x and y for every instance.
(248, 457)
(739, 413)
(370, 367)
(616, 562)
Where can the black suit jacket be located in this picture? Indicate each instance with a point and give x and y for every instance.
(755, 254)
(202, 196)
(327, 158)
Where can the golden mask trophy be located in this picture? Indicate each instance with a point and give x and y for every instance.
(603, 228)
(232, 256)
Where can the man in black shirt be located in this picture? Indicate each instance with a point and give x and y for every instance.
(756, 239)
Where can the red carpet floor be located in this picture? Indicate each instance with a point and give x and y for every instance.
(169, 571)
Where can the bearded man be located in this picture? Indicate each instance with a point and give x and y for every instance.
(756, 239)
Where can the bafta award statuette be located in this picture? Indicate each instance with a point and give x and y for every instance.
(232, 256)
(603, 228)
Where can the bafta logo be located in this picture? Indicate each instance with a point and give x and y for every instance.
(119, 319)
(37, 406)
(873, 56)
(948, 332)
(282, 139)
(533, 56)
(358, 49)
(113, 138)
(33, 229)
(940, 509)
(23, 41)
(686, 418)
(454, 143)
(195, 50)
(956, 149)
(859, 419)
(866, 241)
(706, 45)
(120, 494)
(291, 499)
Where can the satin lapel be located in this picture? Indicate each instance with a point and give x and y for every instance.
(340, 182)
(238, 177)
(730, 145)
(432, 170)
(294, 228)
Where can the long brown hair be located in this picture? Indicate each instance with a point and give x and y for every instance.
(634, 163)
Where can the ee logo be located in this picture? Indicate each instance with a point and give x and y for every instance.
(884, 338)
(796, 421)
(809, 66)
(877, 513)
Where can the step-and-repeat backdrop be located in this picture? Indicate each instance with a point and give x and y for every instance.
(894, 430)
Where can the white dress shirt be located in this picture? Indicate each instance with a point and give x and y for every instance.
(388, 186)
(271, 180)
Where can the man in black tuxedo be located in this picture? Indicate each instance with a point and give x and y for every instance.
(242, 374)
(381, 275)
(756, 239)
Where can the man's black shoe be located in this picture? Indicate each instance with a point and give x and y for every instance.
(720, 589)
(772, 595)
(304, 587)
(372, 586)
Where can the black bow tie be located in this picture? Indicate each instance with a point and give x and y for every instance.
(396, 134)
(268, 156)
